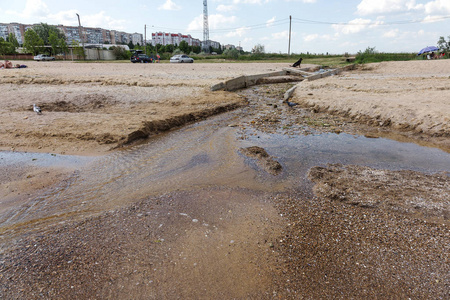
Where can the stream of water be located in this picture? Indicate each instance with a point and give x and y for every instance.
(201, 155)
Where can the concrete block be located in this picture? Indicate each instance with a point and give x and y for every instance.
(218, 87)
(235, 84)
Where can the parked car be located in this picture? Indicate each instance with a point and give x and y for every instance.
(41, 57)
(141, 58)
(181, 58)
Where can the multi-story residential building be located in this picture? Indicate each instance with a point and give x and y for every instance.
(214, 44)
(229, 47)
(16, 28)
(164, 38)
(90, 35)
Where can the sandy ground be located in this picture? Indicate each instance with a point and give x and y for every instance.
(89, 108)
(359, 233)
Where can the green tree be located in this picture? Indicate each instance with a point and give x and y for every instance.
(196, 49)
(6, 47)
(443, 44)
(63, 46)
(33, 43)
(184, 47)
(120, 53)
(77, 50)
(160, 48)
(13, 40)
(54, 42)
(43, 31)
(170, 48)
(231, 53)
(258, 49)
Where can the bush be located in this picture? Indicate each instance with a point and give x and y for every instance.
(371, 56)
(231, 54)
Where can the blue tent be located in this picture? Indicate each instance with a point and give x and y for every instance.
(428, 49)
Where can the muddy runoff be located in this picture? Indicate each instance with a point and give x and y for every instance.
(267, 201)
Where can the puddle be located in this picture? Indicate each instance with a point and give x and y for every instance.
(206, 154)
(10, 158)
(381, 153)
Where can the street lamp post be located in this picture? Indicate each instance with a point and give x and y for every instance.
(80, 33)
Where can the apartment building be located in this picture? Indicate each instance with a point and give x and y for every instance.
(90, 35)
(16, 28)
(164, 38)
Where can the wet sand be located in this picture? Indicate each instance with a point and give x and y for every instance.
(336, 234)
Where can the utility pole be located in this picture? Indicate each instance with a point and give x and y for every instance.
(145, 39)
(80, 32)
(290, 26)
(205, 27)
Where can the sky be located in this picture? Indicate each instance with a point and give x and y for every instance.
(317, 26)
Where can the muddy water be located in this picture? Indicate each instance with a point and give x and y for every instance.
(206, 154)
(201, 155)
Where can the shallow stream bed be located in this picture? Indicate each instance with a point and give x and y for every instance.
(180, 170)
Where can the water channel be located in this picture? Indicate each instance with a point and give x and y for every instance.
(201, 155)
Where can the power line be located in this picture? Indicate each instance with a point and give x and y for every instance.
(285, 21)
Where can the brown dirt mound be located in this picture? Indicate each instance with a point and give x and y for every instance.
(85, 103)
(263, 159)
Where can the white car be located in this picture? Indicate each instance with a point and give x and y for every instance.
(41, 57)
(181, 58)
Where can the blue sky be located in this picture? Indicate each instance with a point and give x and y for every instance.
(318, 26)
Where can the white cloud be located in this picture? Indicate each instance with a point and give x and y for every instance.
(437, 7)
(65, 17)
(240, 32)
(315, 36)
(250, 1)
(370, 7)
(35, 8)
(283, 35)
(103, 21)
(169, 5)
(215, 21)
(225, 8)
(270, 22)
(311, 37)
(391, 33)
(353, 26)
(38, 11)
(433, 19)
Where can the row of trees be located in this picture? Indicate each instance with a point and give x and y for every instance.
(45, 35)
(42, 38)
(183, 47)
